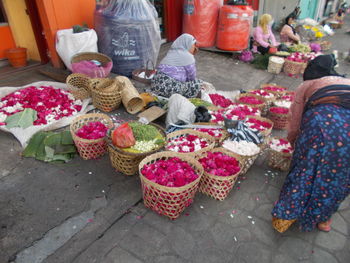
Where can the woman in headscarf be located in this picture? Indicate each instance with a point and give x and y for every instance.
(288, 33)
(264, 39)
(176, 73)
(319, 128)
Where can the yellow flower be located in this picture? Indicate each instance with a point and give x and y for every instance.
(315, 29)
(319, 34)
(307, 27)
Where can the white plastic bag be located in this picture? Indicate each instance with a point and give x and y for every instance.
(68, 44)
(23, 135)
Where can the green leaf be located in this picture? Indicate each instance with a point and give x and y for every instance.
(67, 138)
(61, 157)
(33, 145)
(49, 152)
(63, 149)
(22, 119)
(53, 139)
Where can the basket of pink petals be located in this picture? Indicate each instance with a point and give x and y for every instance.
(280, 153)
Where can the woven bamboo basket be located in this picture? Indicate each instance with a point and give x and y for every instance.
(131, 98)
(266, 133)
(95, 81)
(277, 94)
(207, 137)
(260, 106)
(102, 58)
(279, 160)
(281, 225)
(269, 101)
(274, 67)
(78, 85)
(169, 201)
(218, 140)
(106, 96)
(292, 67)
(280, 121)
(127, 162)
(303, 67)
(90, 149)
(219, 187)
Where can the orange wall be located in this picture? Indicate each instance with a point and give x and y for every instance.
(63, 14)
(6, 40)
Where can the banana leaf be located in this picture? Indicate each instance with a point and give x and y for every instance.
(33, 145)
(22, 119)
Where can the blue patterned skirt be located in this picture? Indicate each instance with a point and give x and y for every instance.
(319, 179)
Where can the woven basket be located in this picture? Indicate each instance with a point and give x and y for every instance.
(279, 160)
(281, 225)
(103, 59)
(277, 94)
(259, 106)
(78, 85)
(219, 187)
(274, 67)
(292, 67)
(169, 201)
(219, 140)
(127, 162)
(94, 82)
(280, 121)
(148, 72)
(106, 96)
(131, 98)
(265, 133)
(90, 149)
(269, 101)
(207, 137)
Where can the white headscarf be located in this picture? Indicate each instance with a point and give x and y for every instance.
(178, 54)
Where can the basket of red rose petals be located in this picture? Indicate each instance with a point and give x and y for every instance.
(106, 96)
(189, 142)
(279, 117)
(275, 89)
(268, 96)
(251, 100)
(169, 182)
(280, 154)
(78, 85)
(217, 132)
(221, 170)
(89, 133)
(261, 124)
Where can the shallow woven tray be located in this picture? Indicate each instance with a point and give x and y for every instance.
(219, 187)
(210, 140)
(169, 201)
(279, 160)
(90, 149)
(127, 162)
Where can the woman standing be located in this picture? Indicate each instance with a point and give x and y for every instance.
(264, 39)
(288, 33)
(176, 73)
(319, 178)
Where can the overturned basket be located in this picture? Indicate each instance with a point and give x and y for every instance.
(169, 201)
(78, 85)
(106, 96)
(210, 140)
(219, 187)
(279, 160)
(128, 162)
(90, 149)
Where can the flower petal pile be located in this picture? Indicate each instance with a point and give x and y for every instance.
(281, 145)
(274, 88)
(250, 100)
(92, 131)
(220, 101)
(217, 133)
(262, 93)
(186, 144)
(50, 103)
(220, 164)
(288, 97)
(233, 112)
(242, 148)
(171, 173)
(279, 110)
(283, 103)
(259, 125)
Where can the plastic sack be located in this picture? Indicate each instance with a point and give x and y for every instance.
(200, 20)
(68, 44)
(123, 137)
(128, 32)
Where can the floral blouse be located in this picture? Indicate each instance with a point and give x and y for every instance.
(180, 73)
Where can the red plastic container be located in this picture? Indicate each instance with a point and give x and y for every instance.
(235, 23)
(200, 19)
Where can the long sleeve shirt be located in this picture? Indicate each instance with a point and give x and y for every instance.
(180, 73)
(262, 39)
(302, 95)
(287, 35)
